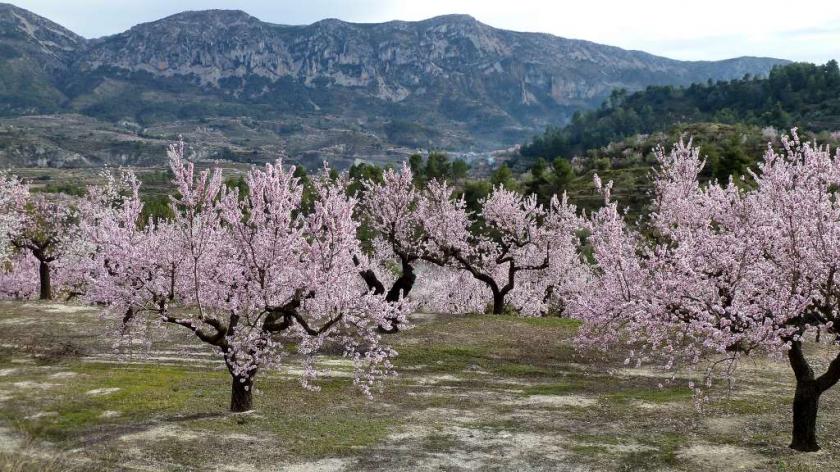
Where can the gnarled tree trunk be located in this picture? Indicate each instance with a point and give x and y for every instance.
(401, 287)
(242, 384)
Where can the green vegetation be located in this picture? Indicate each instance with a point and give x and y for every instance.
(437, 166)
(731, 122)
(801, 94)
(156, 207)
(64, 187)
(139, 392)
(652, 395)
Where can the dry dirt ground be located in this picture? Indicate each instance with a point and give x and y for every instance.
(474, 393)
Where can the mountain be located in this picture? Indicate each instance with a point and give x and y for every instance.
(331, 89)
(34, 52)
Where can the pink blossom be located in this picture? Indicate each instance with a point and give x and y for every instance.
(250, 276)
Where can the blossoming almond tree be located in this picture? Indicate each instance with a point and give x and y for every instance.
(729, 272)
(515, 240)
(13, 195)
(36, 233)
(14, 282)
(444, 289)
(250, 276)
(796, 203)
(390, 207)
(48, 226)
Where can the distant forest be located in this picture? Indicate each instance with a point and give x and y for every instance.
(799, 94)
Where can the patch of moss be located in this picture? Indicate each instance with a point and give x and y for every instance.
(335, 420)
(588, 450)
(439, 442)
(752, 405)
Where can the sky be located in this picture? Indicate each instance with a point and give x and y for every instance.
(803, 30)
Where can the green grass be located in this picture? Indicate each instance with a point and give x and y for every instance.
(756, 405)
(665, 454)
(335, 421)
(568, 324)
(651, 395)
(512, 369)
(145, 392)
(440, 357)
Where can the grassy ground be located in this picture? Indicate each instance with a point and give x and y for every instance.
(474, 393)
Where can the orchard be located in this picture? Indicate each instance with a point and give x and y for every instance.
(283, 267)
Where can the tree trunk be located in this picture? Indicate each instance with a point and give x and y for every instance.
(403, 285)
(498, 303)
(400, 289)
(241, 395)
(44, 274)
(805, 405)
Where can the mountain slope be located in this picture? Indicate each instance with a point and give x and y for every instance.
(449, 82)
(33, 53)
(453, 65)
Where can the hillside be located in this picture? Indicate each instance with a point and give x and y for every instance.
(449, 82)
(796, 95)
(34, 52)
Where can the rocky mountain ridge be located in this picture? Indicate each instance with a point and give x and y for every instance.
(449, 82)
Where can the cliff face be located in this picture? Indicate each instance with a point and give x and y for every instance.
(448, 55)
(446, 82)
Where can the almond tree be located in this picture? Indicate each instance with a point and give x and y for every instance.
(389, 208)
(48, 226)
(443, 289)
(728, 272)
(18, 277)
(13, 195)
(35, 231)
(250, 276)
(513, 240)
(796, 203)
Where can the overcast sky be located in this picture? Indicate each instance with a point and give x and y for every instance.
(807, 30)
